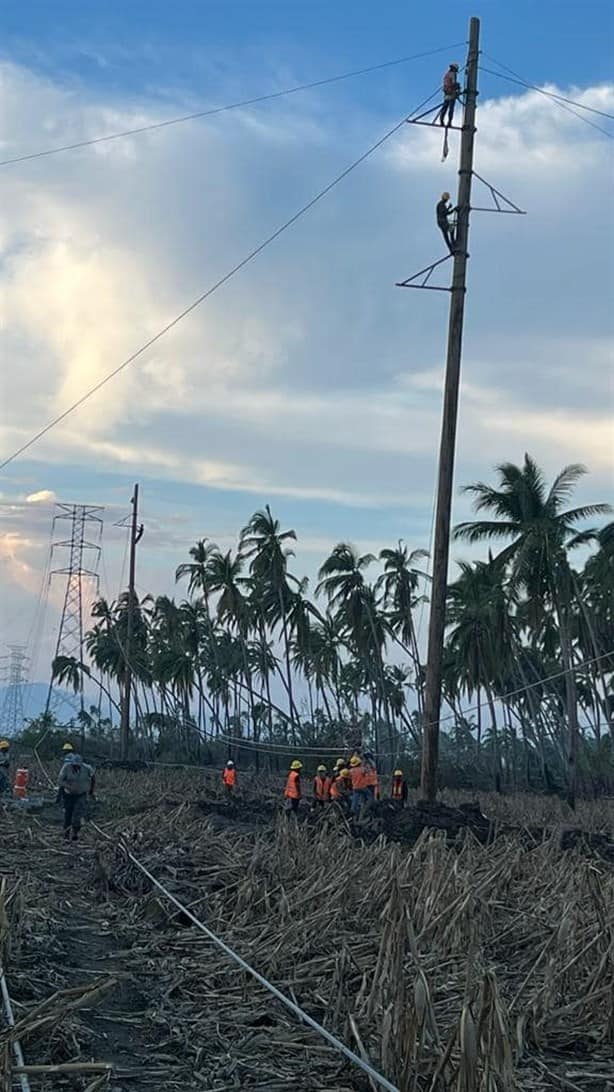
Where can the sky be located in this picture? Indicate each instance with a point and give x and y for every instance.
(308, 381)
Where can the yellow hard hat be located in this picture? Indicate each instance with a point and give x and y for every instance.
(67, 747)
(344, 773)
(398, 773)
(355, 761)
(296, 765)
(321, 769)
(4, 745)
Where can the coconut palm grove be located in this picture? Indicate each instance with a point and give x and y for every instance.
(252, 662)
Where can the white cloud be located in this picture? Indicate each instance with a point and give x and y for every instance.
(42, 496)
(310, 376)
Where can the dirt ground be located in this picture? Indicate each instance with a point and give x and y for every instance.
(401, 935)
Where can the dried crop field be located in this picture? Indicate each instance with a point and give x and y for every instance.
(455, 962)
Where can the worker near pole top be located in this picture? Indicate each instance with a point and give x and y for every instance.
(5, 765)
(292, 791)
(76, 783)
(451, 92)
(398, 789)
(321, 787)
(360, 788)
(229, 778)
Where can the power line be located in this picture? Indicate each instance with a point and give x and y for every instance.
(209, 292)
(224, 109)
(282, 748)
(564, 103)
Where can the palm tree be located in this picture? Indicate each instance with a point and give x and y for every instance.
(341, 578)
(265, 545)
(542, 532)
(400, 582)
(197, 570)
(482, 637)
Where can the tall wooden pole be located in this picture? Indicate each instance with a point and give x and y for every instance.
(441, 549)
(124, 732)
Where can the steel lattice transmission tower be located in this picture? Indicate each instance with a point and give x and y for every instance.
(81, 558)
(15, 676)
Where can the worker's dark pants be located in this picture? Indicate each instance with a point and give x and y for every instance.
(446, 115)
(74, 810)
(447, 234)
(292, 805)
(4, 781)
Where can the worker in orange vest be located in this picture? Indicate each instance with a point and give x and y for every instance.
(20, 788)
(372, 780)
(360, 778)
(292, 791)
(398, 789)
(340, 789)
(229, 778)
(321, 787)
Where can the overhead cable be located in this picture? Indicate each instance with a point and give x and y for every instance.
(209, 292)
(560, 100)
(223, 109)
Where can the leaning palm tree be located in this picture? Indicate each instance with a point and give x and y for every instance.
(542, 531)
(266, 547)
(400, 582)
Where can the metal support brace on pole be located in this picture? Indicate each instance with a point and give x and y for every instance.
(441, 550)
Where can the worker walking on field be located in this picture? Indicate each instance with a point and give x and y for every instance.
(292, 791)
(5, 765)
(398, 789)
(76, 783)
(451, 93)
(321, 787)
(229, 778)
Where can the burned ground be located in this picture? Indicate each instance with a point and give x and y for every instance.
(471, 945)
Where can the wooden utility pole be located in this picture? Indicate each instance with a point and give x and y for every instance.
(124, 732)
(441, 549)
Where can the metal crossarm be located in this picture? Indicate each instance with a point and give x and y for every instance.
(497, 197)
(426, 274)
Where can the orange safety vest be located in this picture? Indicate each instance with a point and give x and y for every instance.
(370, 775)
(292, 790)
(229, 777)
(358, 777)
(397, 788)
(20, 788)
(337, 788)
(321, 787)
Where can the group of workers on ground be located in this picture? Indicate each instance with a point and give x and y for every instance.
(352, 784)
(76, 782)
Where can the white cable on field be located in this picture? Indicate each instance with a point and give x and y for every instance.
(297, 1011)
